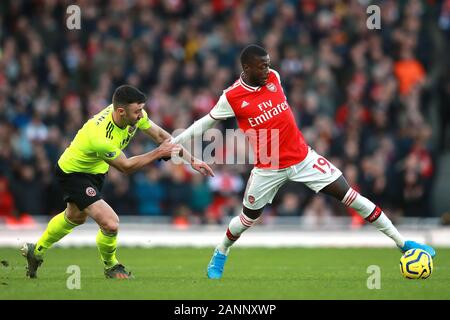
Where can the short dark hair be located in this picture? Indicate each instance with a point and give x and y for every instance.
(126, 94)
(250, 51)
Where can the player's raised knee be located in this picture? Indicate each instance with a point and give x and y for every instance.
(111, 227)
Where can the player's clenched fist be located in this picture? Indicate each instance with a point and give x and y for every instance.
(167, 149)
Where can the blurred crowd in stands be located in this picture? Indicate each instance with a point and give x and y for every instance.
(363, 98)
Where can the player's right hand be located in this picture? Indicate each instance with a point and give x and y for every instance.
(167, 149)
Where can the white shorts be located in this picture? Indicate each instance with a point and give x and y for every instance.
(314, 171)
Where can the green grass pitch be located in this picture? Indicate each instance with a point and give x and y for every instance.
(250, 273)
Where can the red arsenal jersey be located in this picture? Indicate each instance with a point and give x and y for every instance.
(266, 118)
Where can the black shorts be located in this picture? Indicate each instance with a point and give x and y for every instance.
(83, 189)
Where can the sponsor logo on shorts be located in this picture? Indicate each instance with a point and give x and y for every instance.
(271, 87)
(251, 199)
(91, 192)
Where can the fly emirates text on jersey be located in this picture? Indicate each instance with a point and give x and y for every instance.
(268, 112)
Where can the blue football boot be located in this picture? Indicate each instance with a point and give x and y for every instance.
(215, 266)
(409, 244)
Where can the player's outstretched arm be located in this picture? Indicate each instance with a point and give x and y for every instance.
(129, 165)
(158, 135)
(196, 129)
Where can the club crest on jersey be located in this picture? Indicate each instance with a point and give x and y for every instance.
(271, 87)
(251, 199)
(91, 192)
(131, 129)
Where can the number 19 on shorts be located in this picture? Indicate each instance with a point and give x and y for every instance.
(322, 164)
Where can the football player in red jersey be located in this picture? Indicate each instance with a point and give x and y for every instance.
(258, 103)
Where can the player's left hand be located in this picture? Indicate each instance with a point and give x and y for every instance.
(203, 168)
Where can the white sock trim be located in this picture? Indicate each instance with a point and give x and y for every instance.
(246, 221)
(349, 197)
